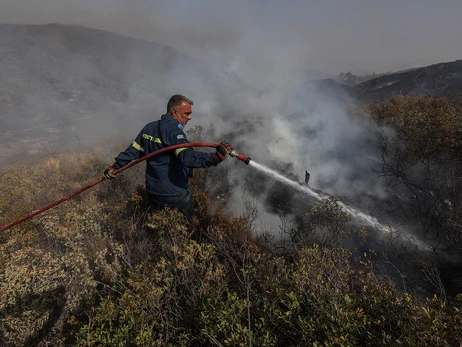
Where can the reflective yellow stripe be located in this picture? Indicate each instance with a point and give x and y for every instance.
(179, 150)
(137, 146)
(151, 138)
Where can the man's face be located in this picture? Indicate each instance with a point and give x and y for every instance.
(182, 113)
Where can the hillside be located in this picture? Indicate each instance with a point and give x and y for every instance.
(78, 63)
(60, 82)
(434, 80)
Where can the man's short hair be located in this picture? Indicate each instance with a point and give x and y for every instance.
(176, 100)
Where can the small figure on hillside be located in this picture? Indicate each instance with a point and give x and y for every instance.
(167, 174)
(307, 177)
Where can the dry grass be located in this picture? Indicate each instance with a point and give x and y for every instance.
(52, 265)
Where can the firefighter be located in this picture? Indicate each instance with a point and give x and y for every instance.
(167, 174)
(307, 177)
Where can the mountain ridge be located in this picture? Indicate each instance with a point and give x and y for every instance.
(436, 80)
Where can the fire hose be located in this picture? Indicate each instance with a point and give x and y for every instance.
(233, 153)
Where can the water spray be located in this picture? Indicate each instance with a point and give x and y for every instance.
(359, 216)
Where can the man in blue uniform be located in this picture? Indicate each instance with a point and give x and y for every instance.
(167, 174)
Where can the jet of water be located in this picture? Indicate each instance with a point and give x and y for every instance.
(386, 231)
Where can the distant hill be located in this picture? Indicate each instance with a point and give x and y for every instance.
(54, 78)
(435, 80)
(74, 63)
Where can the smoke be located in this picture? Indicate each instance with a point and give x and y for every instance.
(243, 68)
(306, 131)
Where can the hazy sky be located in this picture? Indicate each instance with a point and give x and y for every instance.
(329, 36)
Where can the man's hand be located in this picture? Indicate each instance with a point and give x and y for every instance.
(223, 149)
(109, 173)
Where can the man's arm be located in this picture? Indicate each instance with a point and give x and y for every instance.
(187, 155)
(194, 159)
(133, 152)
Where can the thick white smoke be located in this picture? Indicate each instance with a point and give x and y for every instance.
(247, 77)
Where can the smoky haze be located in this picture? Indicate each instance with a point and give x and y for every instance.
(244, 64)
(329, 36)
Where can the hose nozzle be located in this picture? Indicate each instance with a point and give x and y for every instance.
(241, 157)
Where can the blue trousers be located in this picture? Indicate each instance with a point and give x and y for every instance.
(182, 202)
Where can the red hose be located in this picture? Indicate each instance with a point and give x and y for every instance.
(134, 162)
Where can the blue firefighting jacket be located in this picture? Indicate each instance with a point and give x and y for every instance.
(167, 174)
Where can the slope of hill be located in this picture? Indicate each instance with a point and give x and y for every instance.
(64, 58)
(435, 80)
(57, 77)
